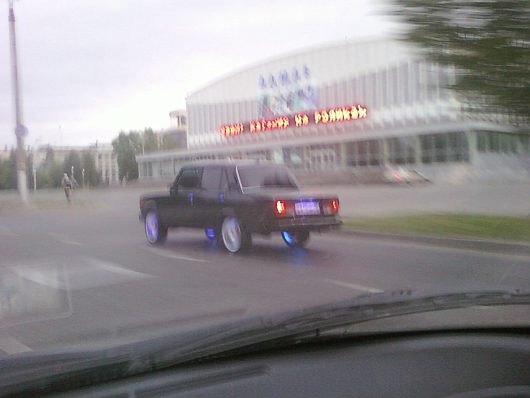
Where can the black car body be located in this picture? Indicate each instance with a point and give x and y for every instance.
(235, 200)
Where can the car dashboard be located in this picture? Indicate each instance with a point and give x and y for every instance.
(444, 364)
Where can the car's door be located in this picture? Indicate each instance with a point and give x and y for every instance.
(180, 210)
(210, 197)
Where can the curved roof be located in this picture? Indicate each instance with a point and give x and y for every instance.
(328, 63)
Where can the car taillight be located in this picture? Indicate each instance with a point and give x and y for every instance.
(335, 205)
(283, 208)
(330, 207)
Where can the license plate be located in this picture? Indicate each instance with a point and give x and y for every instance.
(307, 208)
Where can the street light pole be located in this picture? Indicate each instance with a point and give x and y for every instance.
(20, 130)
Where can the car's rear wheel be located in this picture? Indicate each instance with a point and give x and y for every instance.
(234, 235)
(155, 232)
(295, 238)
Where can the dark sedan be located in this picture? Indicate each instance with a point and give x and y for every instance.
(232, 201)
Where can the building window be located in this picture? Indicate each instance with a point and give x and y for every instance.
(427, 148)
(448, 147)
(524, 140)
(482, 145)
(440, 147)
(402, 150)
(322, 157)
(457, 149)
(366, 153)
(293, 157)
(493, 139)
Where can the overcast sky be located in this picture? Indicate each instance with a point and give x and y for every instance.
(91, 68)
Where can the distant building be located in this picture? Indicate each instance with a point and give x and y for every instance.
(352, 107)
(177, 119)
(178, 128)
(106, 163)
(104, 158)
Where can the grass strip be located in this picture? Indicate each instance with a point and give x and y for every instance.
(461, 225)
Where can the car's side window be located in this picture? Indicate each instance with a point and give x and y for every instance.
(189, 178)
(211, 178)
(224, 182)
(233, 182)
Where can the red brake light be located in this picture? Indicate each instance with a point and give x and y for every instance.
(330, 207)
(284, 208)
(335, 205)
(280, 207)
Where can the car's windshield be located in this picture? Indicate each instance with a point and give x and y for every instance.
(168, 167)
(264, 176)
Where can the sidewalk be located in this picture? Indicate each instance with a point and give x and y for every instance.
(501, 198)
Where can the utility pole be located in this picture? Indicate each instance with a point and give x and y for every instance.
(20, 130)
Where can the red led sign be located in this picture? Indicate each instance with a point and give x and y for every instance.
(320, 117)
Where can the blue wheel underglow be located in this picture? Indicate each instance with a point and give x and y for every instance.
(151, 227)
(288, 237)
(210, 233)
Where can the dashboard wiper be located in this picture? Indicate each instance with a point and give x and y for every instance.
(29, 374)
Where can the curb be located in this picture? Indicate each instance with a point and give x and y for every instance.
(484, 245)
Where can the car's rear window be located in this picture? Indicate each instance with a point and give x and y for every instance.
(260, 176)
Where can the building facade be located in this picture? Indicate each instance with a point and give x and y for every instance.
(103, 155)
(349, 107)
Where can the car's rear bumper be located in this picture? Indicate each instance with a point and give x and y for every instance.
(306, 223)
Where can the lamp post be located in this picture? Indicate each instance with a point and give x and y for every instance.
(20, 130)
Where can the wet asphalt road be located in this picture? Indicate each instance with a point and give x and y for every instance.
(83, 273)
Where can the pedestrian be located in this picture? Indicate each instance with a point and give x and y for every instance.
(67, 186)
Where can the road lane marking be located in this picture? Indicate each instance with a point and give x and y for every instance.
(10, 345)
(354, 286)
(65, 239)
(174, 256)
(83, 273)
(117, 269)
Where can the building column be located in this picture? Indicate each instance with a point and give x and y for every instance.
(306, 158)
(342, 155)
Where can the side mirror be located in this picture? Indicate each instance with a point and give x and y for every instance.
(172, 190)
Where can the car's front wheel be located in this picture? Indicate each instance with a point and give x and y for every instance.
(155, 232)
(295, 238)
(234, 235)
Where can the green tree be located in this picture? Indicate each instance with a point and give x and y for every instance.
(89, 165)
(150, 140)
(73, 159)
(125, 150)
(8, 171)
(136, 141)
(50, 155)
(487, 41)
(29, 169)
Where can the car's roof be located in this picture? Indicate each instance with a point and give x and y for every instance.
(230, 163)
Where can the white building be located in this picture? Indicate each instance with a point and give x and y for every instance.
(177, 119)
(349, 106)
(106, 163)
